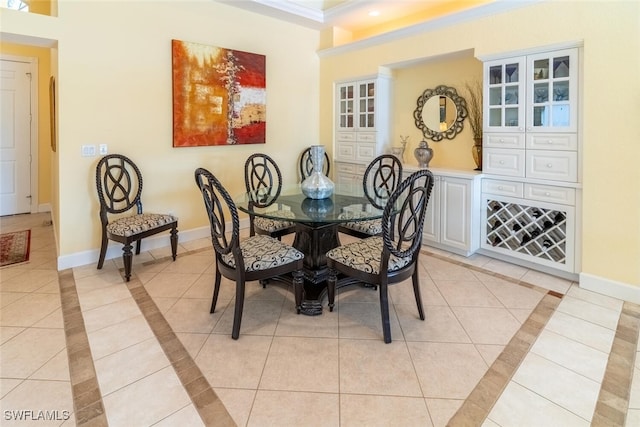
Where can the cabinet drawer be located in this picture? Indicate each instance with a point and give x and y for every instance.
(503, 188)
(504, 162)
(554, 165)
(505, 140)
(345, 167)
(346, 151)
(543, 141)
(346, 136)
(366, 136)
(365, 152)
(547, 193)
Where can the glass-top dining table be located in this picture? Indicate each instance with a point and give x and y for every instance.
(316, 227)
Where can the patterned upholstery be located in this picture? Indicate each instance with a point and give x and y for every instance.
(371, 226)
(364, 255)
(262, 252)
(135, 224)
(271, 225)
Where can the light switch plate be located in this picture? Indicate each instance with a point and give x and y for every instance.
(102, 148)
(88, 150)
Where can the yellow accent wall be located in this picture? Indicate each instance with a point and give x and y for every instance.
(44, 133)
(610, 228)
(114, 83)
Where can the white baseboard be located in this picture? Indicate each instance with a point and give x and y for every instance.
(44, 207)
(114, 250)
(601, 285)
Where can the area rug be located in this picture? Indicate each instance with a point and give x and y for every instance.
(14, 247)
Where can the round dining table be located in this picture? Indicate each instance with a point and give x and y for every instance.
(316, 227)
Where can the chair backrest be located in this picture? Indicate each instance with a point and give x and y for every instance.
(119, 184)
(217, 201)
(403, 216)
(306, 165)
(381, 178)
(262, 179)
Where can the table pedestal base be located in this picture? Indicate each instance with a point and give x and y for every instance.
(315, 241)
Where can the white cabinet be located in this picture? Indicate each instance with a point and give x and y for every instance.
(530, 193)
(453, 214)
(362, 119)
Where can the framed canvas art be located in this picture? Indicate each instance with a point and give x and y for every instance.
(219, 96)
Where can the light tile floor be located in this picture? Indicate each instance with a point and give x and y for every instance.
(291, 370)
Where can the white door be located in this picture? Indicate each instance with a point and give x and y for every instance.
(15, 137)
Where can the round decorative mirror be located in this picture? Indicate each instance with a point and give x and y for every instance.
(440, 113)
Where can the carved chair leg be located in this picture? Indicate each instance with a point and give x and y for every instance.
(237, 316)
(126, 259)
(331, 287)
(384, 311)
(174, 242)
(298, 289)
(416, 292)
(216, 291)
(103, 250)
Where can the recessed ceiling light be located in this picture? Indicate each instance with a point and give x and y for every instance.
(374, 13)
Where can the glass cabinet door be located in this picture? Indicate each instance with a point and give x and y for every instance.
(504, 95)
(346, 106)
(366, 105)
(552, 91)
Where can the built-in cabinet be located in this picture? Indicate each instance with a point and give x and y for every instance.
(531, 187)
(362, 130)
(453, 213)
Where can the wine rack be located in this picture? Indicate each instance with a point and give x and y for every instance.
(528, 230)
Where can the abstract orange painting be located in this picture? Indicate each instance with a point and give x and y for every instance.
(219, 96)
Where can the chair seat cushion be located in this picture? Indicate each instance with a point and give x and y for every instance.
(372, 227)
(271, 225)
(135, 224)
(263, 252)
(364, 255)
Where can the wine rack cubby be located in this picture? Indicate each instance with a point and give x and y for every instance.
(527, 230)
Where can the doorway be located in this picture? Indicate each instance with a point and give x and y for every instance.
(18, 135)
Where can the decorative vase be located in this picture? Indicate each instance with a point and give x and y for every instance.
(423, 154)
(476, 150)
(317, 185)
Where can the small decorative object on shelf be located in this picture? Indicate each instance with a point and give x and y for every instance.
(423, 154)
(397, 151)
(317, 185)
(404, 140)
(474, 108)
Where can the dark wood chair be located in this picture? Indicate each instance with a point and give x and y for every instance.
(119, 184)
(306, 165)
(256, 258)
(393, 256)
(381, 178)
(263, 181)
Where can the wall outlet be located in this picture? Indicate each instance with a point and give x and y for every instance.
(102, 148)
(88, 150)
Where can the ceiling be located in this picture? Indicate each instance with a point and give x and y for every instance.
(353, 15)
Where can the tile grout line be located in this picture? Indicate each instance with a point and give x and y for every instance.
(85, 389)
(613, 400)
(478, 404)
(209, 406)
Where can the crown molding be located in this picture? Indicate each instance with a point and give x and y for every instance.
(499, 6)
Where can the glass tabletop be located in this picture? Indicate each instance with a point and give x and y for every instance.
(348, 203)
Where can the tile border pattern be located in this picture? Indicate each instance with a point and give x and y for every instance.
(206, 401)
(87, 398)
(613, 401)
(611, 407)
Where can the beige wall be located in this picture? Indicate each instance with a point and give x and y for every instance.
(114, 83)
(610, 246)
(409, 83)
(44, 133)
(114, 80)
